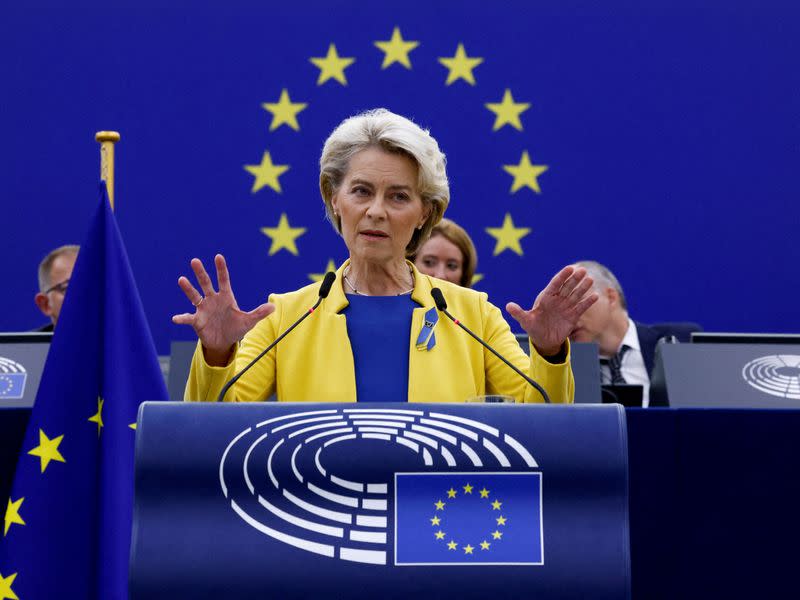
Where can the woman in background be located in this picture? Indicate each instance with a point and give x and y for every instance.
(448, 254)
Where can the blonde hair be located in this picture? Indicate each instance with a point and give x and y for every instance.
(380, 128)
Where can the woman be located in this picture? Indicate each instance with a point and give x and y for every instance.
(377, 336)
(448, 254)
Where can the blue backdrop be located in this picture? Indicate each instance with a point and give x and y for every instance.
(669, 130)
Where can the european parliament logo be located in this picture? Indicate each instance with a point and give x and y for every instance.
(776, 375)
(12, 379)
(388, 486)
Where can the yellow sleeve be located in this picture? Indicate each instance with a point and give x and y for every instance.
(556, 379)
(206, 382)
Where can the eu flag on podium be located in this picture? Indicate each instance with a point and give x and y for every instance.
(67, 525)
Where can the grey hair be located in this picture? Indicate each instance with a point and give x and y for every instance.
(47, 264)
(603, 278)
(380, 128)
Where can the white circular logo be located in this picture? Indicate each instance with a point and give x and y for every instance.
(278, 482)
(776, 375)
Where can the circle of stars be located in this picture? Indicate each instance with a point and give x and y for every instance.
(492, 504)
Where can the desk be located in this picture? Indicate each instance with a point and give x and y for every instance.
(714, 497)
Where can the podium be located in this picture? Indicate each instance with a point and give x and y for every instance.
(308, 500)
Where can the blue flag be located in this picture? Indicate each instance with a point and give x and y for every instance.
(468, 518)
(67, 525)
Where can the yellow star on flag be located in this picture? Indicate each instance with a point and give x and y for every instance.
(283, 236)
(496, 505)
(525, 174)
(396, 50)
(501, 520)
(452, 545)
(497, 535)
(460, 66)
(266, 174)
(435, 521)
(485, 545)
(451, 493)
(6, 593)
(507, 111)
(284, 111)
(332, 66)
(12, 515)
(439, 505)
(484, 493)
(468, 549)
(508, 236)
(98, 416)
(468, 489)
(132, 426)
(331, 266)
(47, 449)
(477, 277)
(439, 535)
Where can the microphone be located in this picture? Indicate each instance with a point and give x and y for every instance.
(324, 290)
(441, 305)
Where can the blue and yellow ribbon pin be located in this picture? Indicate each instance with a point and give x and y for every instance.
(427, 339)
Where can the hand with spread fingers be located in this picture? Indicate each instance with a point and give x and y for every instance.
(217, 319)
(556, 310)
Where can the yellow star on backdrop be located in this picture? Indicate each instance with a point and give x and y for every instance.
(452, 545)
(332, 66)
(477, 277)
(12, 515)
(497, 535)
(439, 505)
(525, 174)
(284, 111)
(98, 416)
(485, 545)
(435, 521)
(266, 174)
(6, 593)
(508, 236)
(439, 535)
(451, 493)
(47, 449)
(396, 50)
(132, 426)
(283, 236)
(331, 266)
(468, 549)
(468, 489)
(507, 111)
(496, 505)
(501, 520)
(484, 493)
(460, 66)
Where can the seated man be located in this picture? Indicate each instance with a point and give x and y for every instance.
(627, 348)
(55, 271)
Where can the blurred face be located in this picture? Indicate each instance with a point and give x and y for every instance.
(379, 205)
(596, 319)
(439, 257)
(61, 271)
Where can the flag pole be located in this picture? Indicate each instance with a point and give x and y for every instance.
(107, 139)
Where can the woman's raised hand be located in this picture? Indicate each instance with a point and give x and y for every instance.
(217, 319)
(556, 310)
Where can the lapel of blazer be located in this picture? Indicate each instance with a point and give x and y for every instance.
(648, 338)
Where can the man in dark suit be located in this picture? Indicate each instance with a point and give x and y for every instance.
(627, 347)
(55, 271)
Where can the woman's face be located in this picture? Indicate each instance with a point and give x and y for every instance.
(439, 257)
(379, 205)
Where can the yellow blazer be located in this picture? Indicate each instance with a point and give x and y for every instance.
(315, 362)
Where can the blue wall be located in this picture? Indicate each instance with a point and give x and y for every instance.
(671, 131)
